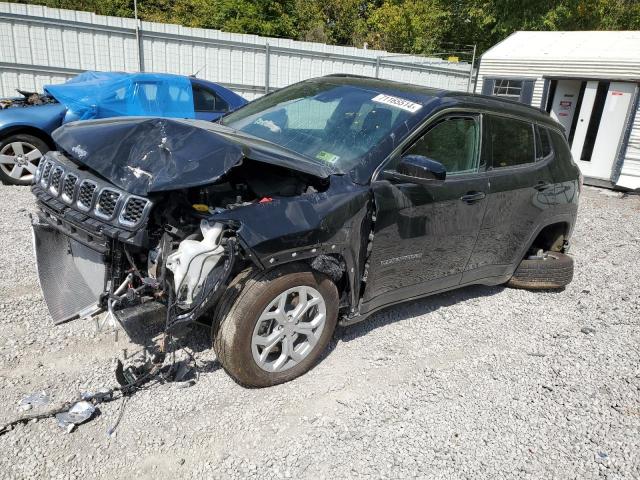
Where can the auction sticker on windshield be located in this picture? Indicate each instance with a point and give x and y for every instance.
(397, 102)
(327, 157)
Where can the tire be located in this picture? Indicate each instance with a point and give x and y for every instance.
(237, 324)
(552, 270)
(30, 149)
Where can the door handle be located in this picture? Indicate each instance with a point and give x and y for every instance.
(542, 186)
(472, 197)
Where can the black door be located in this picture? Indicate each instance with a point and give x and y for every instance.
(424, 234)
(521, 196)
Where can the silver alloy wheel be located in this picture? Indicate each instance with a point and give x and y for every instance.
(19, 160)
(288, 329)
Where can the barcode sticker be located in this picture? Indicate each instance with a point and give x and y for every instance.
(397, 102)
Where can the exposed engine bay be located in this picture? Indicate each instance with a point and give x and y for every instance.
(168, 247)
(28, 99)
(171, 211)
(189, 252)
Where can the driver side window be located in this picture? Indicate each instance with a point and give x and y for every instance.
(454, 142)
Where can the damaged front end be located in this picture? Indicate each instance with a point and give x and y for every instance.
(172, 224)
(99, 248)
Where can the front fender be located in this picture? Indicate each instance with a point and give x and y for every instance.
(291, 229)
(41, 117)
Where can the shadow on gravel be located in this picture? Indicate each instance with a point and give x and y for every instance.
(415, 308)
(145, 328)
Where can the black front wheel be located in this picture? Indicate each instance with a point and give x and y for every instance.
(272, 327)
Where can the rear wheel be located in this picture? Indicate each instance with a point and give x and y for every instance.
(272, 327)
(19, 158)
(543, 271)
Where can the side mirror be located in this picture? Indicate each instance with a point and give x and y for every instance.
(419, 169)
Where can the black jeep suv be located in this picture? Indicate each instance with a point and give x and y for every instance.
(322, 202)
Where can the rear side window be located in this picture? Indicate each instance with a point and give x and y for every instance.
(512, 142)
(560, 147)
(543, 143)
(207, 101)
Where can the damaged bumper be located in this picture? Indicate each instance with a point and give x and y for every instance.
(78, 281)
(92, 250)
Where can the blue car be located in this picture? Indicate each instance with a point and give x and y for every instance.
(26, 123)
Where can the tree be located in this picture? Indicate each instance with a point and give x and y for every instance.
(408, 27)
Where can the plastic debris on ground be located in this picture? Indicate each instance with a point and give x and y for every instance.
(79, 413)
(150, 370)
(38, 399)
(99, 396)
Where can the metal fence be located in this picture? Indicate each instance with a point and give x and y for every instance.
(40, 45)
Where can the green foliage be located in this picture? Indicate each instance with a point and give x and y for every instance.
(406, 26)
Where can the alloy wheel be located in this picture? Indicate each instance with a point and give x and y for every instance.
(19, 160)
(288, 329)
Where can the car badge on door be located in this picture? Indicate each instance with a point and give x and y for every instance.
(404, 258)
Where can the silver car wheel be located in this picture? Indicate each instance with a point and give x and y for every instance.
(288, 329)
(19, 160)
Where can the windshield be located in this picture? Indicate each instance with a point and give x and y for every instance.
(334, 124)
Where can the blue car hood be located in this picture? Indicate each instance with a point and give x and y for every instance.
(146, 155)
(43, 117)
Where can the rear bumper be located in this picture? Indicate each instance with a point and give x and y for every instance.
(72, 275)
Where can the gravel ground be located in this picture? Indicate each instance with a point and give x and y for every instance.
(484, 382)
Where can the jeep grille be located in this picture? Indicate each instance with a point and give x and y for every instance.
(45, 173)
(133, 210)
(107, 201)
(68, 186)
(54, 185)
(85, 195)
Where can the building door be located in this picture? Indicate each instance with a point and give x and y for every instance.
(588, 117)
(564, 102)
(602, 152)
(594, 114)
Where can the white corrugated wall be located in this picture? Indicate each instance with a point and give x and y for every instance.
(630, 173)
(40, 45)
(597, 69)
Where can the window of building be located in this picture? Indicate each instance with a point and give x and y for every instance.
(504, 87)
(520, 90)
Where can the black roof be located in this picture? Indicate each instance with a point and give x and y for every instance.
(381, 84)
(462, 99)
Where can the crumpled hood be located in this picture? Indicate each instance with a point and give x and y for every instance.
(145, 155)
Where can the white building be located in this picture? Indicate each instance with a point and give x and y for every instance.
(587, 81)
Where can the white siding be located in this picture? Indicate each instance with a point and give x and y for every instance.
(508, 60)
(630, 174)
